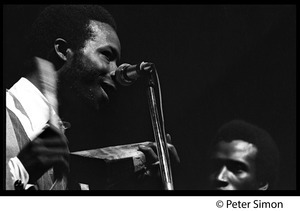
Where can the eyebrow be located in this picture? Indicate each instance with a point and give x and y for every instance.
(231, 162)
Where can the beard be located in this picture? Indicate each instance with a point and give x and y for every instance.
(81, 80)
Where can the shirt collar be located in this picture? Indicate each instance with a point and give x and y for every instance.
(35, 105)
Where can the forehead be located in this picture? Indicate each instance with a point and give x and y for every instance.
(103, 35)
(237, 150)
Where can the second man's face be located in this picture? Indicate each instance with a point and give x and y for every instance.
(233, 166)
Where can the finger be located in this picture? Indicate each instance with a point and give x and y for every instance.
(173, 153)
(51, 159)
(169, 139)
(60, 163)
(42, 146)
(41, 164)
(54, 140)
(46, 153)
(33, 151)
(150, 155)
(153, 146)
(61, 168)
(50, 151)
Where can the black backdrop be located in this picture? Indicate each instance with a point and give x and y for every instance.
(215, 63)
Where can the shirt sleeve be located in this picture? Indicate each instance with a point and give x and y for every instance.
(19, 172)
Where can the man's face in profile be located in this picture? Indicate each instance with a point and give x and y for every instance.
(233, 166)
(88, 70)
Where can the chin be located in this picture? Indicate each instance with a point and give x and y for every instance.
(92, 104)
(222, 189)
(97, 99)
(100, 103)
(225, 188)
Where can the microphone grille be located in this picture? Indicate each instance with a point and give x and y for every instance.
(120, 75)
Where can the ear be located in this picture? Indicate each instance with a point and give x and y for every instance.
(264, 186)
(61, 48)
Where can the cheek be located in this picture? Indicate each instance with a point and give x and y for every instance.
(94, 60)
(87, 70)
(244, 182)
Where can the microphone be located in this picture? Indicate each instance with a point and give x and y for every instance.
(127, 74)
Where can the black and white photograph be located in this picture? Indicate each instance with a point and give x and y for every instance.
(163, 99)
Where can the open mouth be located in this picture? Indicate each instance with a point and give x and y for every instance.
(108, 83)
(108, 86)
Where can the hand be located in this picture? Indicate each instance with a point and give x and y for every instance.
(150, 151)
(48, 150)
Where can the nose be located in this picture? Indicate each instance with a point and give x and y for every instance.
(108, 69)
(112, 67)
(222, 177)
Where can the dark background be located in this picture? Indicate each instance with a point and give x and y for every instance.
(215, 63)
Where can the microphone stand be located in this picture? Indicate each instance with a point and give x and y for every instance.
(160, 136)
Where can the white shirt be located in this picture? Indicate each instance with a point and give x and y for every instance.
(37, 113)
